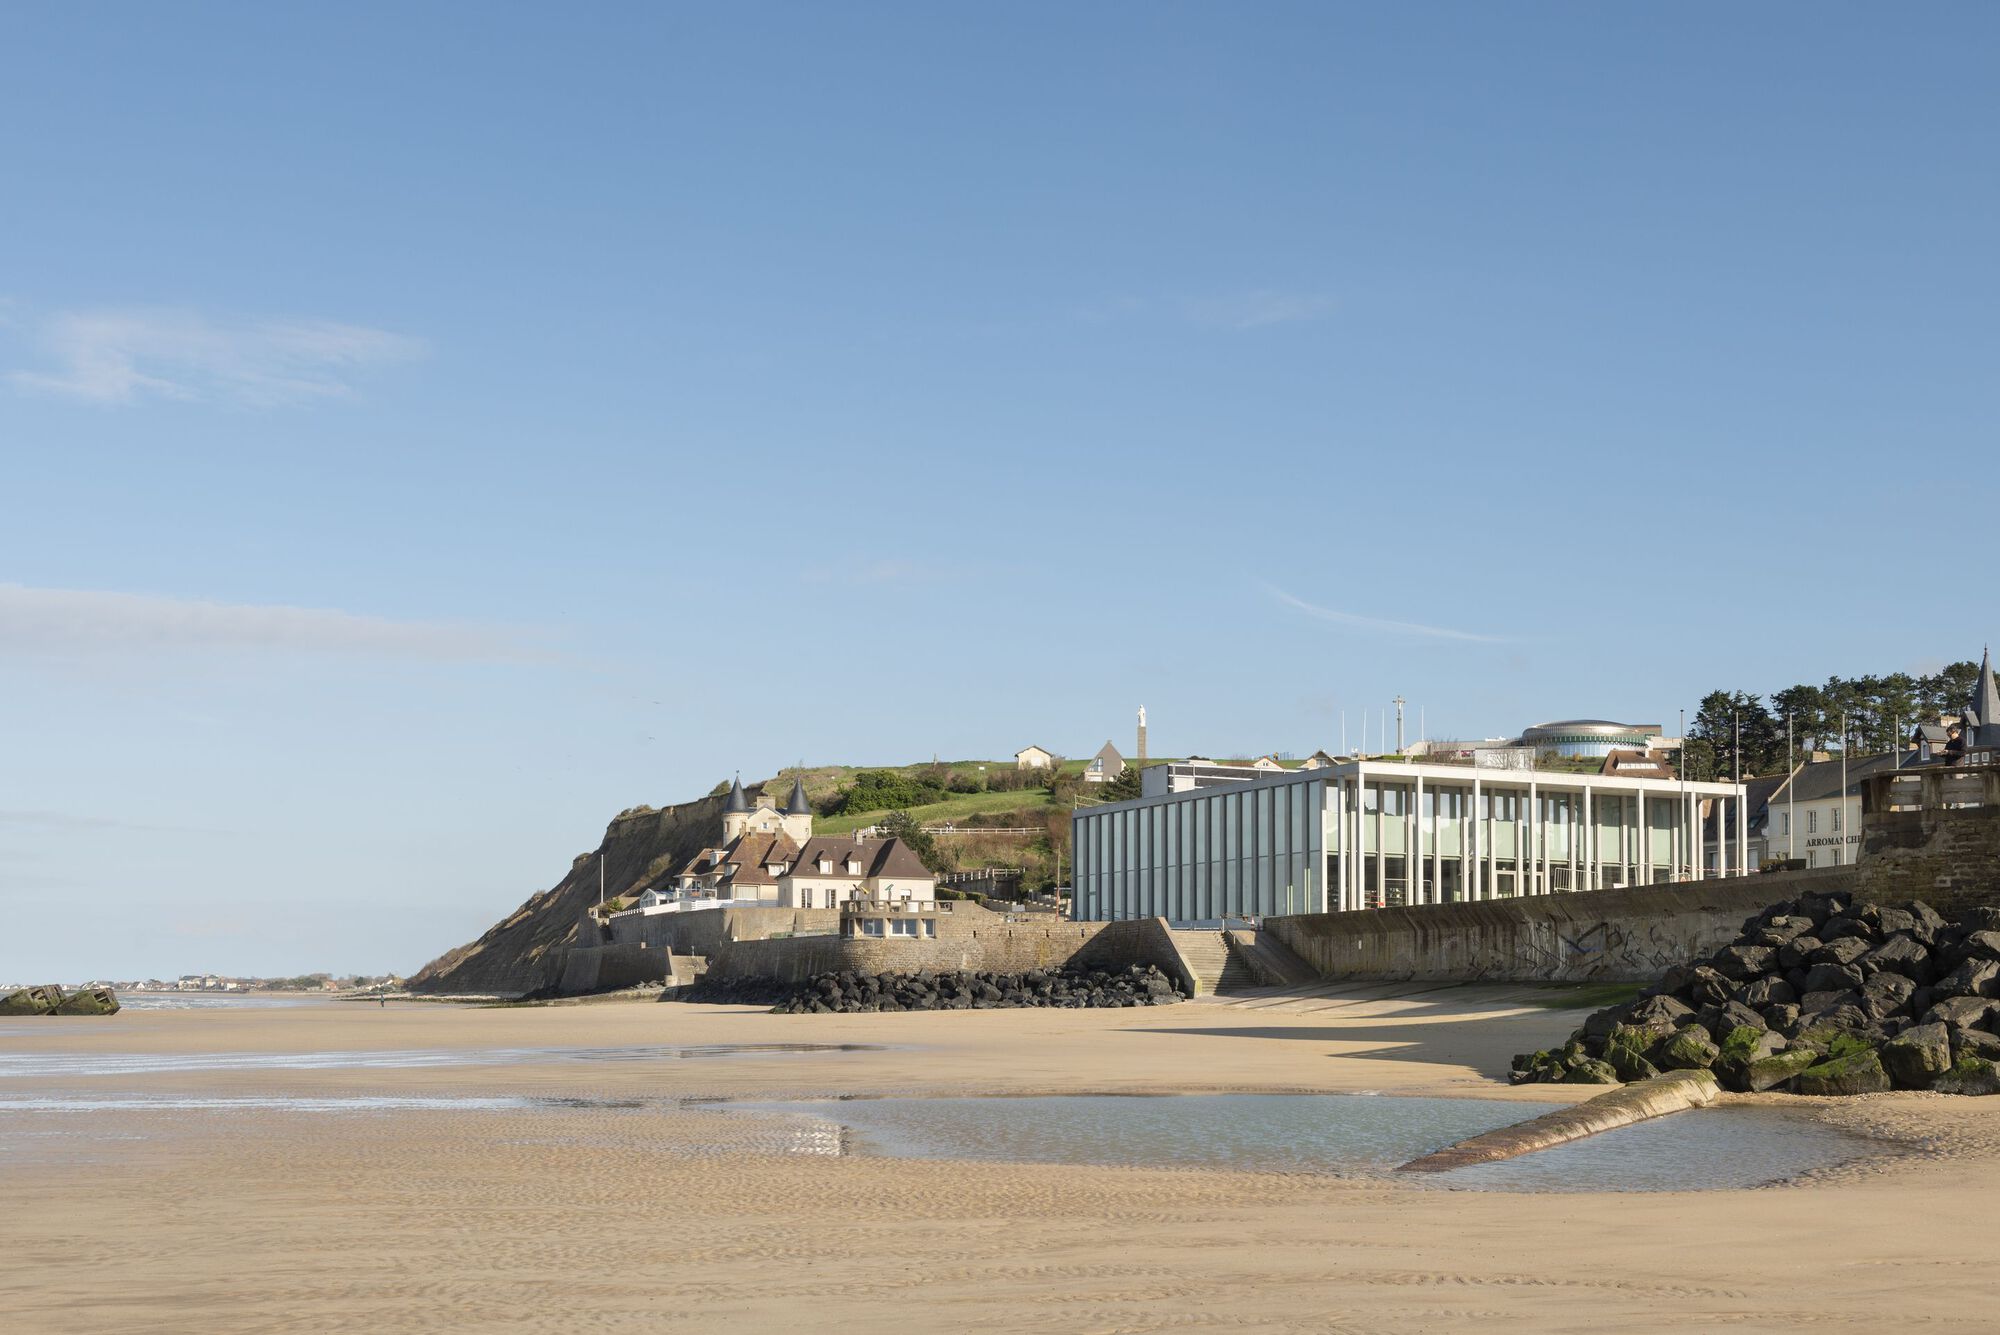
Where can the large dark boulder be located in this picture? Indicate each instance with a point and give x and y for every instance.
(1856, 1073)
(1691, 1049)
(1917, 1056)
(1973, 978)
(1836, 928)
(1778, 930)
(1845, 950)
(1885, 994)
(1707, 987)
(1778, 1069)
(1971, 1012)
(1768, 992)
(1929, 921)
(1831, 978)
(1974, 1043)
(1814, 1004)
(1890, 921)
(1970, 1075)
(1740, 1049)
(1794, 953)
(1590, 1071)
(1981, 945)
(1628, 1058)
(1744, 963)
(1663, 1014)
(1721, 1020)
(1902, 954)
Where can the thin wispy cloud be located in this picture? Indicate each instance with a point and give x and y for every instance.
(41, 622)
(15, 818)
(126, 356)
(1379, 624)
(1259, 309)
(884, 571)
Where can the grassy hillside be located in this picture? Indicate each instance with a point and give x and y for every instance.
(641, 846)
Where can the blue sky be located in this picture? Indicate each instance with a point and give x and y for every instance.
(430, 429)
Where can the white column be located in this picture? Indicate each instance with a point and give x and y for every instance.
(1643, 863)
(1437, 845)
(1743, 867)
(1533, 812)
(1592, 864)
(1574, 831)
(1381, 854)
(1476, 846)
(1694, 834)
(1413, 853)
(1339, 842)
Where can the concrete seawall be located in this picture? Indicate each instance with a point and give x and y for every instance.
(1612, 936)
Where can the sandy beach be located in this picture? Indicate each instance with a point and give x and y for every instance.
(583, 1194)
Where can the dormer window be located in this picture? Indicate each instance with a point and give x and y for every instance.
(853, 867)
(826, 866)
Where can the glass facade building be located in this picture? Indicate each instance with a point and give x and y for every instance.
(1381, 834)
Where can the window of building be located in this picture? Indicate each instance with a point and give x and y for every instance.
(902, 927)
(1812, 822)
(871, 927)
(1836, 820)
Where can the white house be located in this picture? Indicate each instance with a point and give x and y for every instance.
(1034, 757)
(829, 872)
(1809, 816)
(770, 857)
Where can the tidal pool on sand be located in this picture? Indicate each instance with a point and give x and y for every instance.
(1340, 1134)
(61, 1064)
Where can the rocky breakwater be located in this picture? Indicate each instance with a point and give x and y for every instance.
(849, 993)
(1819, 995)
(52, 1000)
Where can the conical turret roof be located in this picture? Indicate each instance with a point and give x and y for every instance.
(798, 806)
(737, 801)
(1985, 713)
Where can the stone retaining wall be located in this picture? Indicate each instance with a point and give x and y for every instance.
(1949, 858)
(968, 938)
(605, 968)
(1621, 936)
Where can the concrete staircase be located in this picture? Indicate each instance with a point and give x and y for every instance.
(1269, 960)
(1210, 962)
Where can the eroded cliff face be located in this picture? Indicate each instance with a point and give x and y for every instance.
(525, 952)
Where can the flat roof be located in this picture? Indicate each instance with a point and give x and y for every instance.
(1450, 775)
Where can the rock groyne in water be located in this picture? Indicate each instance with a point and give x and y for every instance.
(1818, 995)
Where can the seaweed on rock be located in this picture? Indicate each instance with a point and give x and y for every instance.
(1818, 995)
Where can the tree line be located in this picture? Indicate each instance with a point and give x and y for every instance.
(1875, 713)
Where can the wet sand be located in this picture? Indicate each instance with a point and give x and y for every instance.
(597, 1217)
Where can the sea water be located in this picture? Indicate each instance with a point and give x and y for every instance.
(1338, 1134)
(47, 1065)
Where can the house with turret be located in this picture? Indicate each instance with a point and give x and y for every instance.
(769, 855)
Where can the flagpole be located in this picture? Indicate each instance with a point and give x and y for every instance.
(1791, 795)
(1841, 850)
